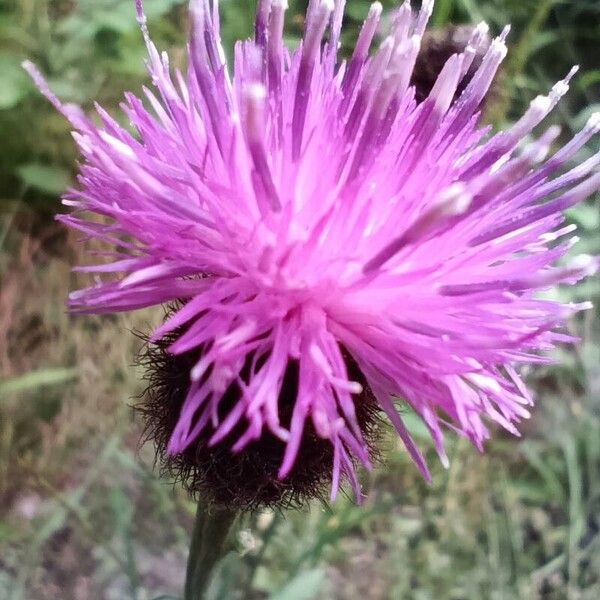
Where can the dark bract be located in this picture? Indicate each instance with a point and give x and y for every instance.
(248, 479)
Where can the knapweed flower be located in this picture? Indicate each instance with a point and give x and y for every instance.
(323, 233)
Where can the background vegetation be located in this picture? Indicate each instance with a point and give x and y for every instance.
(82, 513)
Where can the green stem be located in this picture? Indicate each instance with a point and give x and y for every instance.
(211, 529)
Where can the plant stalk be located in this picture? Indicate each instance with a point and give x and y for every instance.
(208, 545)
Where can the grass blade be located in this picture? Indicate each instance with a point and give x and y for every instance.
(37, 379)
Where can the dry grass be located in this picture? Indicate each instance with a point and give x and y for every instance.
(62, 443)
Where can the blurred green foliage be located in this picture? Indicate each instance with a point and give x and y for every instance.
(90, 50)
(522, 521)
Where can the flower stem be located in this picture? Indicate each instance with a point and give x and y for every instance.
(211, 529)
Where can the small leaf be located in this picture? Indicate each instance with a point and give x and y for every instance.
(414, 424)
(441, 13)
(542, 40)
(36, 379)
(305, 586)
(15, 82)
(158, 8)
(587, 216)
(589, 79)
(52, 180)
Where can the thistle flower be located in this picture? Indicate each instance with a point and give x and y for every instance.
(326, 233)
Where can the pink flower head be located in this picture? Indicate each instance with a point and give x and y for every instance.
(302, 206)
